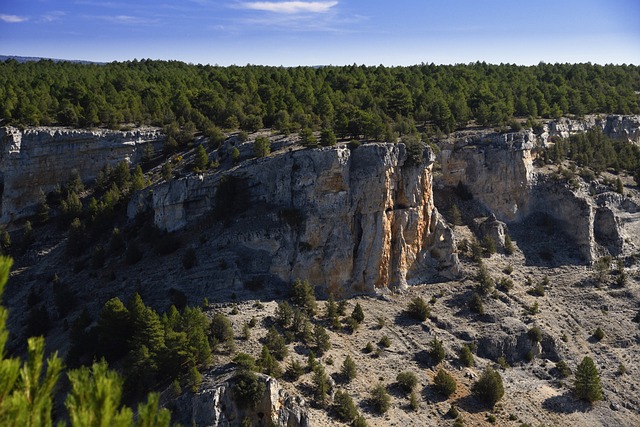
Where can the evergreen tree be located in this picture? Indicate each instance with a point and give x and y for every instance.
(349, 369)
(445, 383)
(261, 146)
(302, 295)
(321, 339)
(587, 383)
(437, 352)
(167, 171)
(418, 309)
(276, 344)
(321, 385)
(489, 388)
(357, 314)
(380, 398)
(202, 159)
(138, 181)
(327, 137)
(344, 406)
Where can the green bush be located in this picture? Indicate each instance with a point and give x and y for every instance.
(445, 383)
(437, 352)
(509, 247)
(349, 369)
(261, 146)
(221, 328)
(489, 387)
(414, 401)
(475, 304)
(563, 369)
(598, 334)
(418, 309)
(245, 361)
(466, 356)
(276, 344)
(357, 314)
(407, 381)
(380, 398)
(247, 390)
(344, 406)
(535, 334)
(385, 342)
(294, 370)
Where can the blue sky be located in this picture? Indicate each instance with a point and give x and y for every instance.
(324, 32)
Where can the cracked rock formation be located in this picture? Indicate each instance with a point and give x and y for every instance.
(351, 221)
(498, 170)
(40, 158)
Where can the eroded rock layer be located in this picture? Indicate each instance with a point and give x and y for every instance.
(498, 170)
(350, 220)
(40, 158)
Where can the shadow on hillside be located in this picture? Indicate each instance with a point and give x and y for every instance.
(472, 405)
(565, 404)
(544, 243)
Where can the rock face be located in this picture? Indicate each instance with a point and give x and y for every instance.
(616, 126)
(39, 158)
(498, 170)
(352, 220)
(514, 344)
(215, 406)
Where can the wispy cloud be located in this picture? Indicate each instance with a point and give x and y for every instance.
(289, 7)
(52, 16)
(126, 19)
(13, 19)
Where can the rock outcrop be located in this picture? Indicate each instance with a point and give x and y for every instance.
(498, 170)
(215, 406)
(37, 159)
(625, 128)
(351, 221)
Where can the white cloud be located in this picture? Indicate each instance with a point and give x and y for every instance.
(12, 19)
(53, 16)
(128, 20)
(290, 7)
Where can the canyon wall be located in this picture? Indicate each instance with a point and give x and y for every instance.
(497, 168)
(37, 159)
(354, 221)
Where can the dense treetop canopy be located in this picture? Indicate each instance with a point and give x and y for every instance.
(353, 100)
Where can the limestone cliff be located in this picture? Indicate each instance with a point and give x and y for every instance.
(348, 220)
(498, 170)
(214, 405)
(39, 158)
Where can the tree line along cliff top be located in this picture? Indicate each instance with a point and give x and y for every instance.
(353, 100)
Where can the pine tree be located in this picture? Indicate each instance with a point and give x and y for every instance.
(261, 146)
(349, 369)
(587, 384)
(489, 387)
(357, 314)
(445, 383)
(167, 171)
(321, 386)
(437, 352)
(202, 159)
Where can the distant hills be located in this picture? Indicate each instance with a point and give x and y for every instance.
(22, 59)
